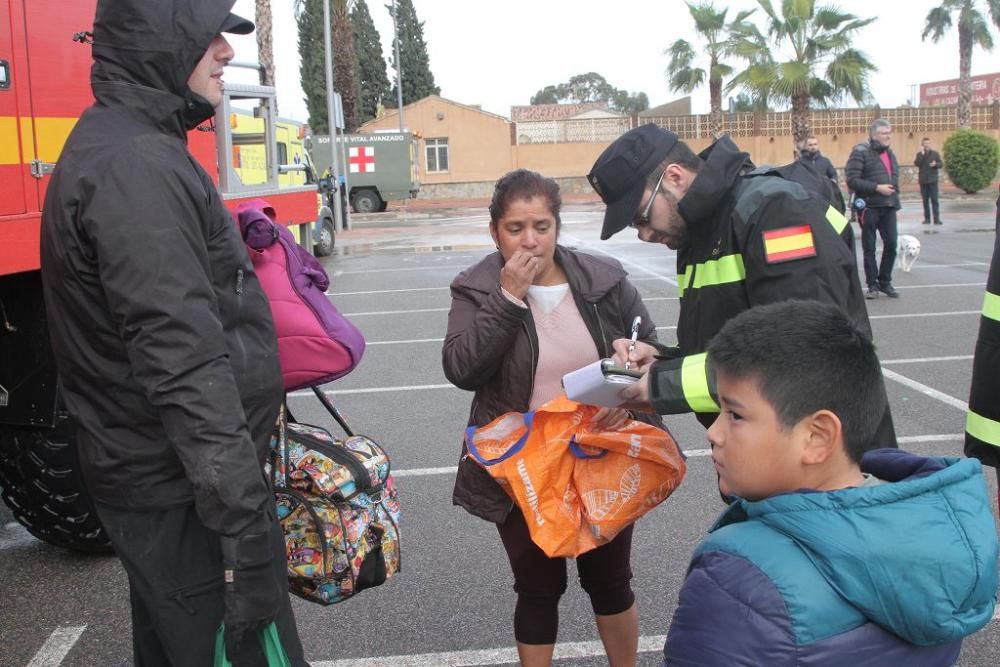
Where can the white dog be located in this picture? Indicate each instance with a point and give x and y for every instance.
(907, 250)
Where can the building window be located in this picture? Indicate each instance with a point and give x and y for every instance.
(437, 155)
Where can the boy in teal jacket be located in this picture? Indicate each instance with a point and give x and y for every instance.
(832, 554)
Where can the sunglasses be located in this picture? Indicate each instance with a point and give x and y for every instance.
(642, 219)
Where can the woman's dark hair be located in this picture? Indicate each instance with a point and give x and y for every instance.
(524, 184)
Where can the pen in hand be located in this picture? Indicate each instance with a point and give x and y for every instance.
(635, 335)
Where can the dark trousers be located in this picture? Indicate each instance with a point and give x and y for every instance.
(882, 220)
(175, 573)
(539, 581)
(929, 193)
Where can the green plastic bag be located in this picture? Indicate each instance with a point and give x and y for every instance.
(273, 650)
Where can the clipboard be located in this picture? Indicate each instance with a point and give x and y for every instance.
(598, 383)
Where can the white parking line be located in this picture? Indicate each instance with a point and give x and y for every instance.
(927, 391)
(902, 315)
(398, 312)
(947, 437)
(924, 360)
(15, 535)
(429, 267)
(980, 284)
(375, 390)
(402, 342)
(387, 291)
(56, 647)
(947, 266)
(489, 656)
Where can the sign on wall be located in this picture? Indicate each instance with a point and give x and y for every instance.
(985, 90)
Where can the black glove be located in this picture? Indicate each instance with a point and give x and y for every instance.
(253, 594)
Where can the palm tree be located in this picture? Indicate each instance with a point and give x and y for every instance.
(265, 45)
(972, 29)
(682, 75)
(821, 65)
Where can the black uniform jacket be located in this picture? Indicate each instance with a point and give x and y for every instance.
(982, 430)
(756, 240)
(162, 334)
(491, 348)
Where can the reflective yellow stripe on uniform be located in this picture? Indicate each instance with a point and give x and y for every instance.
(981, 428)
(726, 269)
(991, 306)
(694, 380)
(836, 218)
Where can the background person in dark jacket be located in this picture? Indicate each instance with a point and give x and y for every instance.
(833, 554)
(873, 173)
(820, 163)
(928, 162)
(164, 341)
(521, 319)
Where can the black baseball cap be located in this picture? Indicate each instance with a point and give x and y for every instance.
(619, 175)
(236, 25)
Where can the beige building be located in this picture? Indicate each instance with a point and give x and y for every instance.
(459, 144)
(463, 149)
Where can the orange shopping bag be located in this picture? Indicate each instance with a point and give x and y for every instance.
(577, 487)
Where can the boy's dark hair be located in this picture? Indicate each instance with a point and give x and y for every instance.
(524, 184)
(681, 154)
(806, 356)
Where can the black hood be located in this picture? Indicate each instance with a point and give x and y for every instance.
(156, 44)
(723, 164)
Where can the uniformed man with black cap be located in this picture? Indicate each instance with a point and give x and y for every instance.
(743, 237)
(165, 343)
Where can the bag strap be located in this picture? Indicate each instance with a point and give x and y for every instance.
(470, 434)
(332, 409)
(280, 461)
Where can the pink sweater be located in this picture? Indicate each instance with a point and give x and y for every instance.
(564, 345)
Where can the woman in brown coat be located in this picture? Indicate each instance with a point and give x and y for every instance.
(520, 319)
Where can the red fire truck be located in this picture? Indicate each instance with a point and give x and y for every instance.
(44, 86)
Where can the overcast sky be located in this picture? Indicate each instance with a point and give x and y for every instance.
(498, 54)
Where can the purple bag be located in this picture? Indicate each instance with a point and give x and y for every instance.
(316, 344)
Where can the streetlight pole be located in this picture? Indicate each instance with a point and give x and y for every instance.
(399, 66)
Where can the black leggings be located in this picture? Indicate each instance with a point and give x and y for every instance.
(540, 581)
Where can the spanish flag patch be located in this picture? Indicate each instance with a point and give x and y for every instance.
(788, 243)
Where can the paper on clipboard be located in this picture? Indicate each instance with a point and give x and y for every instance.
(592, 386)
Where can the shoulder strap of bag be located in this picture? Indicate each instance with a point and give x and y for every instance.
(280, 461)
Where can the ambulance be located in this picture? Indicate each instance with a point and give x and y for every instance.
(45, 61)
(381, 166)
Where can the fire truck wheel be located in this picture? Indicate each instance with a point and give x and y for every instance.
(326, 240)
(40, 482)
(366, 201)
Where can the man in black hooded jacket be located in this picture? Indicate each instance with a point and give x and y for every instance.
(164, 341)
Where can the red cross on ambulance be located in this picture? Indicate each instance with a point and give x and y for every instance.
(361, 159)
